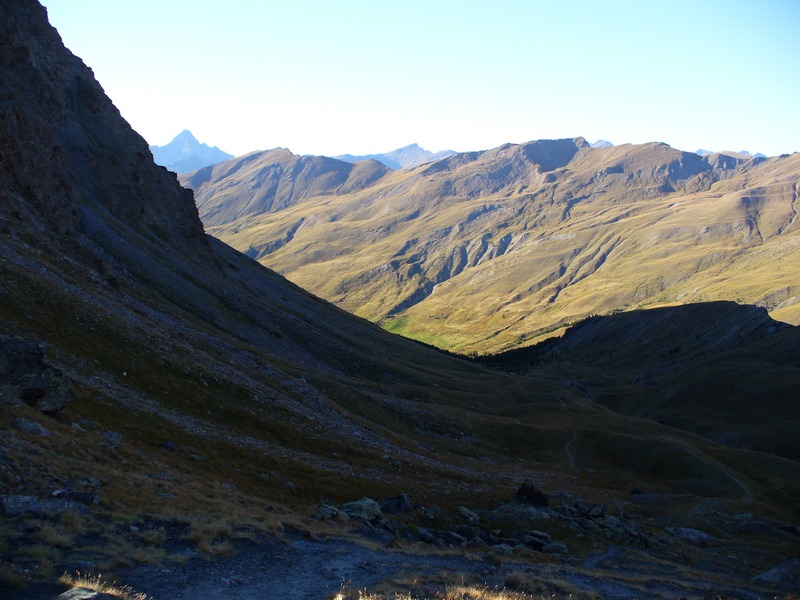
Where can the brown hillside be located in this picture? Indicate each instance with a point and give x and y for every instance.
(535, 236)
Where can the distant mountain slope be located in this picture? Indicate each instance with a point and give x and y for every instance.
(184, 154)
(488, 250)
(273, 180)
(408, 156)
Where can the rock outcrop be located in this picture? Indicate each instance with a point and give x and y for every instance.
(25, 377)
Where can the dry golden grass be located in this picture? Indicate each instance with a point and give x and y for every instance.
(459, 592)
(52, 535)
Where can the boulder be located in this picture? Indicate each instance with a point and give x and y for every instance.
(470, 517)
(326, 512)
(19, 505)
(503, 548)
(80, 593)
(693, 536)
(25, 378)
(396, 505)
(366, 509)
(519, 516)
(430, 536)
(113, 438)
(30, 427)
(528, 493)
(555, 548)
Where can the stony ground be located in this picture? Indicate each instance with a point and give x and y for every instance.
(305, 568)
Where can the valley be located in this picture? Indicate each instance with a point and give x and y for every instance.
(179, 417)
(536, 236)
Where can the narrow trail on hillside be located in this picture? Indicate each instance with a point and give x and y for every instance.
(747, 492)
(570, 454)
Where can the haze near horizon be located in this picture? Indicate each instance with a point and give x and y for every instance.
(363, 77)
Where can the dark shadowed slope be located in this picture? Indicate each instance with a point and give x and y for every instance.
(722, 370)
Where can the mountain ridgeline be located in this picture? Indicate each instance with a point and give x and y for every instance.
(204, 400)
(485, 251)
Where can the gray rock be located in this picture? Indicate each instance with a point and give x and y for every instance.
(366, 509)
(326, 512)
(541, 535)
(693, 536)
(85, 594)
(503, 548)
(82, 497)
(477, 542)
(396, 505)
(25, 378)
(454, 539)
(597, 511)
(113, 438)
(530, 494)
(518, 515)
(20, 505)
(468, 515)
(429, 536)
(555, 548)
(30, 427)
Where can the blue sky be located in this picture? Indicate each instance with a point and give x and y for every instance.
(332, 77)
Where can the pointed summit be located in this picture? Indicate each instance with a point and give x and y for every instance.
(185, 154)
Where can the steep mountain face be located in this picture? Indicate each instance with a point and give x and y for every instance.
(210, 400)
(536, 235)
(185, 154)
(407, 156)
(62, 170)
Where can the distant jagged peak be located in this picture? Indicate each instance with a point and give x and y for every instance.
(185, 153)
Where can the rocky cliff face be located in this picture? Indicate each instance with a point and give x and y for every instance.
(69, 176)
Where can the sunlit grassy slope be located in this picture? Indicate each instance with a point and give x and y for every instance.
(488, 250)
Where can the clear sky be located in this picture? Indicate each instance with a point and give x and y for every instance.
(365, 76)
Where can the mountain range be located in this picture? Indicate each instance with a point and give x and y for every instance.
(487, 251)
(184, 154)
(167, 400)
(407, 156)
